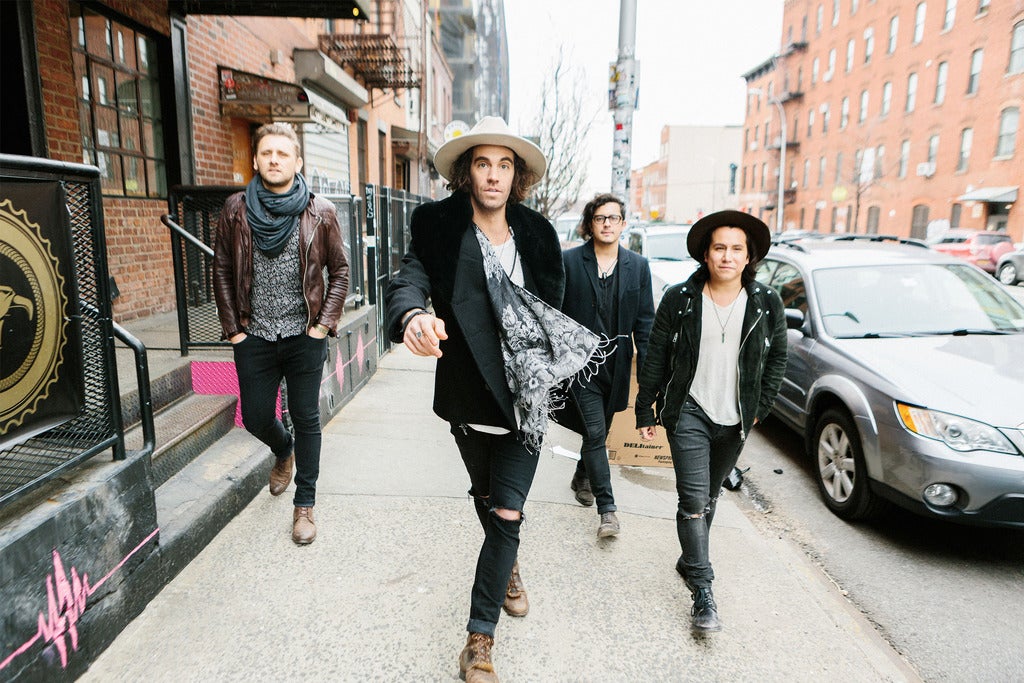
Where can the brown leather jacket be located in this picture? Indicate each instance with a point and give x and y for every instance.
(320, 247)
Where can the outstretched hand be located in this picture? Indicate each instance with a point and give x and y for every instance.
(423, 335)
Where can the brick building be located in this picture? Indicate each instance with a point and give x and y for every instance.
(901, 118)
(168, 92)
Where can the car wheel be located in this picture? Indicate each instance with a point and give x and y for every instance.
(842, 474)
(1008, 273)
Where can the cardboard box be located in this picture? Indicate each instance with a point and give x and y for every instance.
(625, 447)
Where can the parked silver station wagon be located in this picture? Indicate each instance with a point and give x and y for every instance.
(906, 377)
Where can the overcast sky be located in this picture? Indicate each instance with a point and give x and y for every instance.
(691, 52)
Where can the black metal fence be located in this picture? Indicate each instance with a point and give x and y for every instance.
(97, 425)
(375, 231)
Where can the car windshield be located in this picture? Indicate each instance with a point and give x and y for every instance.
(667, 247)
(913, 300)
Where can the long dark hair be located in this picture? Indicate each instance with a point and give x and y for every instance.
(749, 270)
(586, 226)
(522, 181)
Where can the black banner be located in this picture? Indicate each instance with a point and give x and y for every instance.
(41, 383)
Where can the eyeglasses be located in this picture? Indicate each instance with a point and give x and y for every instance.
(610, 220)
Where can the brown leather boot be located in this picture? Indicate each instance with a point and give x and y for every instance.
(516, 604)
(303, 528)
(281, 475)
(475, 661)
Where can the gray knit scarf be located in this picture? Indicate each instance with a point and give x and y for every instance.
(543, 348)
(274, 217)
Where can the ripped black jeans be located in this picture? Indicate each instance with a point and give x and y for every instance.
(501, 470)
(703, 454)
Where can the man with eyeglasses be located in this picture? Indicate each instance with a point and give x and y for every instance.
(608, 290)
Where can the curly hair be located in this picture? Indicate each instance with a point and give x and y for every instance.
(522, 180)
(586, 226)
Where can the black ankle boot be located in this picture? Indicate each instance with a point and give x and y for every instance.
(705, 612)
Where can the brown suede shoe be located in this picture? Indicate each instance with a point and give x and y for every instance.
(516, 604)
(475, 661)
(303, 528)
(281, 475)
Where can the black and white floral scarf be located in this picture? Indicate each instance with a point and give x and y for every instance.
(543, 348)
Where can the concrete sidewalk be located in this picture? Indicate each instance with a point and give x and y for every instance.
(383, 593)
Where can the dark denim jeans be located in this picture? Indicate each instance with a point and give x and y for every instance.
(501, 470)
(593, 463)
(300, 361)
(703, 454)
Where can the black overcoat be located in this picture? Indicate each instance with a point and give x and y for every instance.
(636, 309)
(444, 268)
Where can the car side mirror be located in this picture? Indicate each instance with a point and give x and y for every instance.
(794, 318)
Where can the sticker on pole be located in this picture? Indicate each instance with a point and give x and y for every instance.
(455, 129)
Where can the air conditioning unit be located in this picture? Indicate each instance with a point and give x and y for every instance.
(926, 169)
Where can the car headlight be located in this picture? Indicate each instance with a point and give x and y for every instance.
(959, 433)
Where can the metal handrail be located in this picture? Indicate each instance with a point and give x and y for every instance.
(145, 396)
(182, 232)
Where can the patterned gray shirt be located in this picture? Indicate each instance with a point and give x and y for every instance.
(278, 307)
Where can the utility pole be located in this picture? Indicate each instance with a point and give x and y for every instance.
(622, 97)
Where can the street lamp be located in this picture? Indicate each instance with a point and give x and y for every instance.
(782, 153)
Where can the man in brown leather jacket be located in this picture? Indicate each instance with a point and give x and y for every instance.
(276, 309)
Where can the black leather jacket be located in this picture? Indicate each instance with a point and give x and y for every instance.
(671, 361)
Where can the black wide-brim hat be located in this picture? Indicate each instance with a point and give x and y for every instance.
(757, 232)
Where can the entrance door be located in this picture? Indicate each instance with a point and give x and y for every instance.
(919, 222)
(241, 151)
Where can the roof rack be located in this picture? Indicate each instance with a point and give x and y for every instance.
(788, 243)
(910, 241)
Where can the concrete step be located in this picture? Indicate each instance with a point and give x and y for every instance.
(184, 429)
(169, 381)
(194, 504)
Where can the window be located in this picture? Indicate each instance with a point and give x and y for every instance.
(835, 12)
(983, 6)
(826, 116)
(858, 167)
(869, 44)
(919, 23)
(844, 113)
(966, 138)
(863, 115)
(911, 93)
(1008, 121)
(950, 16)
(894, 28)
(743, 180)
(972, 80)
(954, 215)
(886, 98)
(764, 174)
(831, 62)
(879, 161)
(767, 130)
(904, 159)
(839, 168)
(1016, 64)
(814, 71)
(850, 46)
(807, 172)
(940, 82)
(119, 106)
(810, 122)
(854, 4)
(822, 163)
(873, 214)
(933, 148)
(819, 20)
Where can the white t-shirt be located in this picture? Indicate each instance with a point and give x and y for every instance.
(715, 385)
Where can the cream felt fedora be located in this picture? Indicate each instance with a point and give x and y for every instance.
(490, 130)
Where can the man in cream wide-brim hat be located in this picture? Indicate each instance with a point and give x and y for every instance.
(472, 254)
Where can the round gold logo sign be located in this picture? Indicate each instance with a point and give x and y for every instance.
(32, 312)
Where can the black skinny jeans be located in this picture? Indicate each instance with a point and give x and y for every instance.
(300, 361)
(593, 462)
(703, 454)
(501, 470)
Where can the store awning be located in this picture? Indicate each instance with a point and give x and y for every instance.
(328, 9)
(312, 67)
(994, 195)
(251, 96)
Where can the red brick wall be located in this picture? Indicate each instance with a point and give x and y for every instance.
(897, 196)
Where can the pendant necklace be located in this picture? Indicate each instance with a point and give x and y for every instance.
(603, 272)
(714, 307)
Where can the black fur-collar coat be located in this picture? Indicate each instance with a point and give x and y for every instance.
(444, 267)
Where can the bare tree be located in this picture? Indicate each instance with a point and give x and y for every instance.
(561, 127)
